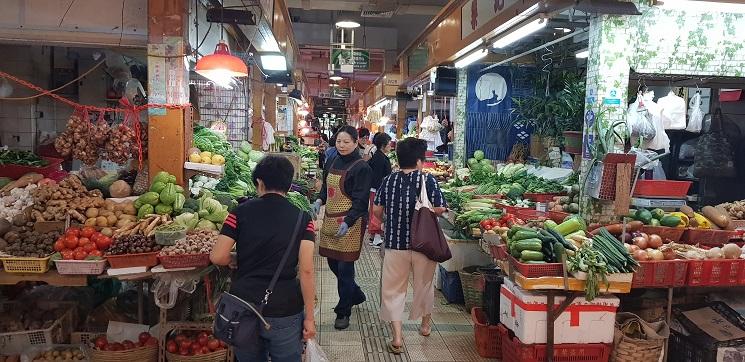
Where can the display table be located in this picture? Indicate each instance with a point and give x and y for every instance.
(51, 277)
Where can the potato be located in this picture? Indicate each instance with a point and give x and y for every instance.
(91, 212)
(122, 223)
(107, 232)
(90, 222)
(118, 213)
(112, 219)
(129, 209)
(102, 221)
(128, 217)
(118, 206)
(105, 213)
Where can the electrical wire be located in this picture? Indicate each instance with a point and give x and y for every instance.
(61, 20)
(46, 92)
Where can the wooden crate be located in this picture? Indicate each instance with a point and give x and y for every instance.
(294, 159)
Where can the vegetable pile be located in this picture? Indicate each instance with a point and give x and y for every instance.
(88, 142)
(568, 203)
(143, 340)
(164, 197)
(196, 242)
(193, 343)
(16, 201)
(736, 210)
(111, 215)
(81, 244)
(300, 201)
(53, 202)
(22, 158)
(206, 157)
(133, 244)
(145, 226)
(59, 354)
(22, 241)
(538, 245)
(237, 177)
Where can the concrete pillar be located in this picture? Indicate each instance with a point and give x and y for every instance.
(257, 102)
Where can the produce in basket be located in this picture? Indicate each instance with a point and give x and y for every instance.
(30, 316)
(102, 343)
(59, 354)
(111, 215)
(54, 202)
(133, 244)
(23, 241)
(17, 200)
(196, 242)
(81, 244)
(194, 343)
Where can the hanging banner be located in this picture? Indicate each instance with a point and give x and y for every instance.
(359, 58)
(476, 13)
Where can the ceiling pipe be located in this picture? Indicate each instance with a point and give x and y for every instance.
(357, 5)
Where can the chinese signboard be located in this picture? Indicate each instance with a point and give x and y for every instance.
(359, 58)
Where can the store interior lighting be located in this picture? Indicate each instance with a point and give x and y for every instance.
(703, 6)
(469, 47)
(470, 58)
(520, 33)
(273, 62)
(582, 54)
(221, 67)
(516, 20)
(336, 78)
(347, 24)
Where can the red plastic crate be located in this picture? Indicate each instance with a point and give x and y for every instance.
(666, 233)
(558, 216)
(662, 188)
(498, 252)
(488, 343)
(530, 214)
(515, 351)
(536, 270)
(722, 272)
(708, 237)
(507, 208)
(133, 260)
(16, 171)
(660, 274)
(543, 197)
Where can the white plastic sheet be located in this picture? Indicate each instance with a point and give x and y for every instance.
(314, 353)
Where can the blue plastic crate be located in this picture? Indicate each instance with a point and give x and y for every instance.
(451, 287)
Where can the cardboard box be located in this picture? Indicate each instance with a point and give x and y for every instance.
(525, 313)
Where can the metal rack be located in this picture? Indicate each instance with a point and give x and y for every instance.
(228, 105)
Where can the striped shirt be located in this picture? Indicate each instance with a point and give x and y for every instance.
(398, 194)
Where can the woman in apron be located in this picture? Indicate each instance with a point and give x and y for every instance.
(345, 192)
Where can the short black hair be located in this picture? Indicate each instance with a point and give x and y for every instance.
(364, 132)
(380, 140)
(351, 131)
(409, 151)
(276, 172)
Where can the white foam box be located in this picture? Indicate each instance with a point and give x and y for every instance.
(525, 313)
(465, 253)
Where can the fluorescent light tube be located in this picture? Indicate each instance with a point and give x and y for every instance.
(273, 62)
(470, 58)
(514, 21)
(468, 48)
(520, 33)
(582, 54)
(703, 6)
(347, 24)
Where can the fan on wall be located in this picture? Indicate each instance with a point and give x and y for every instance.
(121, 69)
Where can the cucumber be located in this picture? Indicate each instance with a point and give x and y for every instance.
(524, 234)
(530, 255)
(515, 229)
(559, 250)
(528, 244)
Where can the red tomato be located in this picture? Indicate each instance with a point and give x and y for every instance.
(73, 232)
(213, 344)
(152, 341)
(171, 346)
(179, 338)
(185, 345)
(484, 223)
(101, 342)
(83, 240)
(202, 333)
(127, 344)
(183, 352)
(80, 255)
(143, 337)
(89, 247)
(488, 227)
(71, 242)
(206, 350)
(87, 231)
(95, 236)
(68, 254)
(116, 347)
(59, 245)
(103, 242)
(202, 340)
(96, 253)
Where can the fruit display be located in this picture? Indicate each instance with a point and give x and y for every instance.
(53, 202)
(442, 171)
(193, 343)
(59, 354)
(111, 215)
(81, 244)
(195, 242)
(206, 157)
(102, 343)
(164, 197)
(23, 241)
(568, 203)
(133, 244)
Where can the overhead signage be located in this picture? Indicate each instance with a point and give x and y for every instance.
(476, 13)
(360, 59)
(340, 92)
(332, 102)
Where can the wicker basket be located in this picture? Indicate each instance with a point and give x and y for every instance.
(184, 261)
(629, 349)
(80, 267)
(133, 260)
(472, 282)
(216, 356)
(140, 354)
(12, 264)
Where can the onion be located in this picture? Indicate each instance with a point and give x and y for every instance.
(627, 238)
(641, 242)
(641, 255)
(655, 241)
(669, 254)
(714, 253)
(731, 251)
(633, 248)
(656, 255)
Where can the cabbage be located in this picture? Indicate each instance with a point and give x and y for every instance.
(188, 220)
(179, 203)
(168, 195)
(255, 156)
(479, 155)
(164, 177)
(206, 225)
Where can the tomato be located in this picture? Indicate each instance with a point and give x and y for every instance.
(89, 247)
(73, 232)
(488, 227)
(205, 350)
(127, 344)
(213, 344)
(185, 344)
(172, 347)
(179, 338)
(152, 341)
(101, 342)
(96, 253)
(183, 352)
(95, 236)
(203, 333)
(103, 242)
(68, 254)
(80, 255)
(83, 240)
(71, 242)
(87, 231)
(59, 245)
(143, 337)
(202, 339)
(116, 347)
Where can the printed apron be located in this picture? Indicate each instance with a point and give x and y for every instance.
(338, 204)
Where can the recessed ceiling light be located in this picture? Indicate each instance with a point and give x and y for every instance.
(336, 78)
(347, 24)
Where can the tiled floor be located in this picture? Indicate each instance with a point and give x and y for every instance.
(367, 336)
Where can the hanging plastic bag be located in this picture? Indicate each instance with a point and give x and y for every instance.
(713, 152)
(639, 120)
(673, 111)
(660, 141)
(314, 353)
(695, 114)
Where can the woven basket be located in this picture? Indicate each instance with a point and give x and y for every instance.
(630, 349)
(471, 280)
(216, 356)
(140, 354)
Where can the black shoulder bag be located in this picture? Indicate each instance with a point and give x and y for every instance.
(238, 322)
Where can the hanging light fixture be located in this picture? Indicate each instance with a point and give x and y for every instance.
(221, 67)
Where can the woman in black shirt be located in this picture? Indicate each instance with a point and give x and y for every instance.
(345, 192)
(381, 167)
(261, 229)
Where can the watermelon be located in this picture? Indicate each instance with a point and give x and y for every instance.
(479, 155)
(472, 162)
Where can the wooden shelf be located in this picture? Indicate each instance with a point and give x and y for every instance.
(51, 277)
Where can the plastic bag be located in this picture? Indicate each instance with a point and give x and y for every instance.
(673, 111)
(713, 152)
(695, 114)
(314, 353)
(639, 120)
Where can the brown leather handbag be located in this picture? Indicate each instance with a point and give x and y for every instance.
(426, 235)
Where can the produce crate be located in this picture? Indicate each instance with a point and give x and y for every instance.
(78, 267)
(708, 237)
(85, 337)
(507, 208)
(719, 272)
(140, 354)
(133, 260)
(488, 343)
(542, 197)
(216, 356)
(30, 353)
(498, 252)
(536, 270)
(184, 261)
(513, 350)
(660, 274)
(58, 332)
(530, 214)
(16, 171)
(451, 288)
(12, 264)
(558, 216)
(662, 188)
(666, 233)
(699, 346)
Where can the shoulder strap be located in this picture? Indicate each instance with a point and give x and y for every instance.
(295, 236)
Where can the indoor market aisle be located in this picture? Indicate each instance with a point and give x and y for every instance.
(366, 338)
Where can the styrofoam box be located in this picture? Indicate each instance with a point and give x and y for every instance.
(465, 253)
(524, 312)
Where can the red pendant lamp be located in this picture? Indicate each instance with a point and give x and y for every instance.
(221, 66)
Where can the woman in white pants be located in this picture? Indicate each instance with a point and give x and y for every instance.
(396, 197)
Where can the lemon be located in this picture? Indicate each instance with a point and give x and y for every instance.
(194, 157)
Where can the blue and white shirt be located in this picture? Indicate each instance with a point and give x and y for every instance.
(397, 194)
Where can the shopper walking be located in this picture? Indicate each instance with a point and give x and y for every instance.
(345, 192)
(396, 198)
(365, 148)
(261, 230)
(381, 167)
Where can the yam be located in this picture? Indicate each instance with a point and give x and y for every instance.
(719, 218)
(102, 221)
